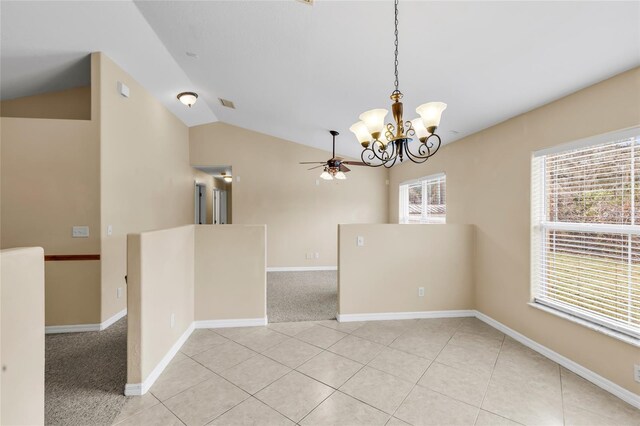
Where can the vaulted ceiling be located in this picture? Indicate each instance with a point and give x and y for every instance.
(295, 71)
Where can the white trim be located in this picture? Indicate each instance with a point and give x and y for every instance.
(81, 328)
(603, 138)
(113, 319)
(430, 177)
(384, 316)
(589, 375)
(246, 322)
(301, 268)
(74, 328)
(137, 389)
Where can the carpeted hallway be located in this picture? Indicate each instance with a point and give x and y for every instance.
(302, 296)
(85, 374)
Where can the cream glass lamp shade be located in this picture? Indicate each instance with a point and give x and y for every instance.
(418, 126)
(374, 120)
(326, 175)
(362, 133)
(341, 176)
(431, 113)
(188, 98)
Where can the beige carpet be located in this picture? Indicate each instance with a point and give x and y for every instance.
(302, 296)
(85, 374)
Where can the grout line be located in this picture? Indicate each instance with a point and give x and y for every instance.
(491, 377)
(564, 420)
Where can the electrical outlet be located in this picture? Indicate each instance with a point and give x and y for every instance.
(420, 291)
(118, 292)
(636, 372)
(109, 230)
(360, 241)
(173, 320)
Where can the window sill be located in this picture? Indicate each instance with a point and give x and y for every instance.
(590, 325)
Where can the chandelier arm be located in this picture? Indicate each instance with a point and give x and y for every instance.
(370, 158)
(425, 149)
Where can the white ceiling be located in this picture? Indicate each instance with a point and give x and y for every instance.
(295, 70)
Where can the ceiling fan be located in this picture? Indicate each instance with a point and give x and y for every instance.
(335, 167)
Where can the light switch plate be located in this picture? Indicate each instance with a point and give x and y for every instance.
(360, 241)
(80, 232)
(636, 372)
(109, 229)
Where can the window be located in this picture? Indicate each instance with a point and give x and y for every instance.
(423, 200)
(586, 232)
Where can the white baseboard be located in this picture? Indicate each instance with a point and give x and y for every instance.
(74, 328)
(246, 322)
(404, 315)
(80, 328)
(137, 389)
(113, 319)
(570, 365)
(301, 268)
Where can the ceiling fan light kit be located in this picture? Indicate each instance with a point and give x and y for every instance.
(384, 145)
(335, 167)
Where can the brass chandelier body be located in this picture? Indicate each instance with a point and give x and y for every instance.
(384, 145)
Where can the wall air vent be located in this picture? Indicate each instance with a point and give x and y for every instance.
(227, 103)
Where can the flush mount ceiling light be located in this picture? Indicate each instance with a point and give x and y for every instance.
(335, 167)
(227, 178)
(384, 145)
(188, 98)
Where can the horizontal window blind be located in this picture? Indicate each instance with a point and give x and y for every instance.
(586, 233)
(423, 200)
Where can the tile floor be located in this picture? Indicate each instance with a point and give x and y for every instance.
(451, 371)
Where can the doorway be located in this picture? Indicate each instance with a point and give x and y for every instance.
(213, 195)
(200, 208)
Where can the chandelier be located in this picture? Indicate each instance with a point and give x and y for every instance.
(385, 144)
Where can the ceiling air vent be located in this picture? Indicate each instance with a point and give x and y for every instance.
(227, 103)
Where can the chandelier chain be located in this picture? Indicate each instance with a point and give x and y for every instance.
(396, 45)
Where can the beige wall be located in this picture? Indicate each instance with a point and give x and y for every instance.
(70, 104)
(277, 191)
(488, 185)
(384, 275)
(230, 278)
(22, 336)
(146, 180)
(161, 283)
(50, 182)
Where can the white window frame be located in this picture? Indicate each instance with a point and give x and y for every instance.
(539, 227)
(403, 202)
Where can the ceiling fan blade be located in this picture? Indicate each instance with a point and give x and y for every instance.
(337, 158)
(344, 168)
(316, 167)
(354, 163)
(312, 162)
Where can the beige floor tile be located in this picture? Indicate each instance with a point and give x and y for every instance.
(426, 407)
(479, 361)
(291, 328)
(320, 336)
(135, 404)
(345, 327)
(442, 324)
(383, 332)
(158, 415)
(470, 340)
(486, 418)
(204, 402)
(292, 352)
(224, 356)
(357, 349)
(261, 339)
(252, 412)
(400, 364)
(331, 369)
(200, 341)
(394, 421)
(234, 333)
(426, 344)
(377, 388)
(179, 356)
(525, 358)
(179, 377)
(576, 416)
(459, 384)
(525, 396)
(477, 327)
(580, 393)
(255, 373)
(341, 409)
(294, 395)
